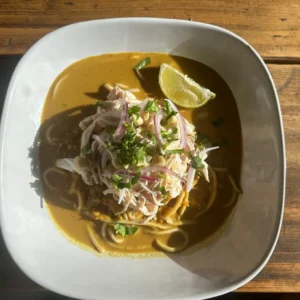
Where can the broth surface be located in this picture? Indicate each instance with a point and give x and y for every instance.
(72, 97)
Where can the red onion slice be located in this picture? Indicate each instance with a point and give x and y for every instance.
(181, 122)
(161, 169)
(120, 129)
(190, 178)
(157, 119)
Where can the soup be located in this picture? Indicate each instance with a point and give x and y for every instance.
(77, 204)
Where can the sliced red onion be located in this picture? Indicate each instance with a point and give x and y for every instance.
(161, 169)
(183, 133)
(190, 178)
(157, 119)
(120, 129)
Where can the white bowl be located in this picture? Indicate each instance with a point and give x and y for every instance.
(240, 252)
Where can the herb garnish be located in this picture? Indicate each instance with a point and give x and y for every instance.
(125, 230)
(218, 122)
(151, 107)
(143, 63)
(197, 163)
(174, 151)
(134, 110)
(118, 184)
(169, 111)
(163, 190)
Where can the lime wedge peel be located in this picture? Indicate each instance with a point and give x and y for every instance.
(181, 89)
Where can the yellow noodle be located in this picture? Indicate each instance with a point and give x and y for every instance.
(51, 141)
(94, 238)
(47, 171)
(212, 197)
(150, 224)
(172, 210)
(235, 187)
(185, 204)
(174, 249)
(113, 237)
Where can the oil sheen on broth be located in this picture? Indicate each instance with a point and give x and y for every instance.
(79, 86)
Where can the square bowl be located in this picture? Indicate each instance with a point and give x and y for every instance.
(242, 249)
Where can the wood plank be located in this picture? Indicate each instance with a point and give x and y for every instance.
(282, 273)
(271, 26)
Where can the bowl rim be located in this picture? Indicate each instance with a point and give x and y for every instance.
(282, 177)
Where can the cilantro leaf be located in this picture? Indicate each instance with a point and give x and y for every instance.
(197, 163)
(134, 110)
(151, 106)
(174, 151)
(120, 229)
(131, 230)
(125, 230)
(169, 111)
(118, 184)
(143, 63)
(163, 190)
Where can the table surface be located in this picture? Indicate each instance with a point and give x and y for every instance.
(271, 26)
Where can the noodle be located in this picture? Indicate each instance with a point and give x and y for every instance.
(50, 140)
(113, 237)
(173, 249)
(212, 197)
(49, 170)
(169, 211)
(94, 238)
(235, 187)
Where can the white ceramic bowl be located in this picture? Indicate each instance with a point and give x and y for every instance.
(243, 249)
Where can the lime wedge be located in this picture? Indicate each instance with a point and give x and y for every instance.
(181, 89)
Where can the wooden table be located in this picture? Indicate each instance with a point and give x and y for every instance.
(271, 26)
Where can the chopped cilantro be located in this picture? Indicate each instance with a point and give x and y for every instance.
(118, 184)
(197, 163)
(161, 175)
(169, 111)
(86, 150)
(174, 151)
(143, 63)
(218, 122)
(151, 107)
(168, 136)
(134, 110)
(125, 230)
(163, 190)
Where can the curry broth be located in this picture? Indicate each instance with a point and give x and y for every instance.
(72, 97)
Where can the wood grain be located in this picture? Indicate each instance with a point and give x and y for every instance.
(282, 273)
(271, 26)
